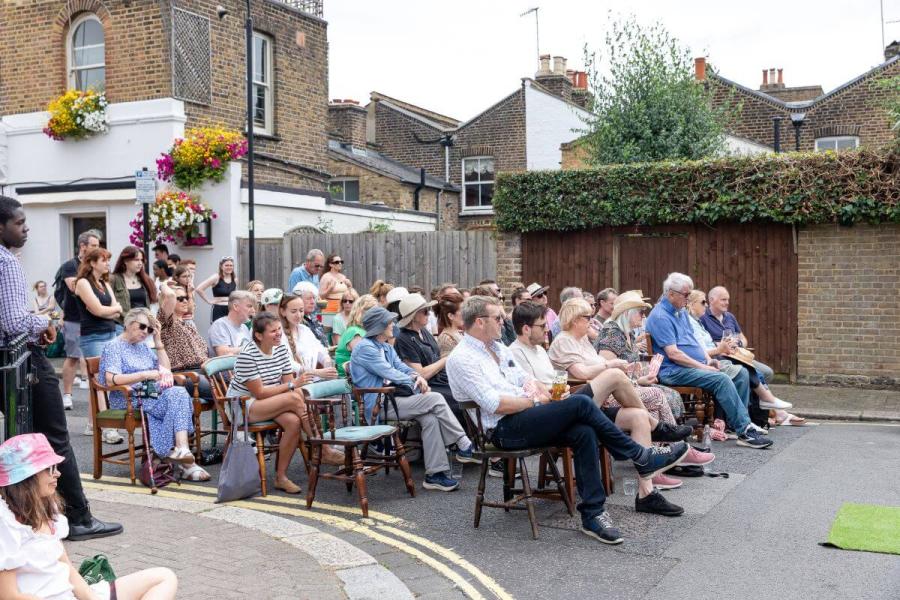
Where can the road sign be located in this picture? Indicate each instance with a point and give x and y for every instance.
(145, 187)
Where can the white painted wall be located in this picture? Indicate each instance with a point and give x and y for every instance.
(549, 122)
(738, 146)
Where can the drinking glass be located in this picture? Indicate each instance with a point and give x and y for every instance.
(456, 467)
(727, 335)
(560, 381)
(629, 487)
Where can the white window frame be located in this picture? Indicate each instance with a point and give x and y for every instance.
(269, 85)
(70, 50)
(834, 139)
(343, 182)
(463, 207)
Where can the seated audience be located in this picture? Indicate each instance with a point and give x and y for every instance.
(184, 277)
(34, 563)
(374, 363)
(685, 362)
(354, 333)
(392, 301)
(567, 294)
(606, 301)
(717, 319)
(517, 413)
(307, 354)
(227, 334)
(310, 295)
(342, 318)
(449, 314)
(270, 300)
(185, 346)
(538, 294)
(263, 372)
(128, 360)
(257, 287)
(519, 295)
(380, 290)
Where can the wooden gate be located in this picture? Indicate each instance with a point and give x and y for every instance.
(756, 262)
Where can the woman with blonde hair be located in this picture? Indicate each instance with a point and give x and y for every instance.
(355, 331)
(342, 319)
(380, 290)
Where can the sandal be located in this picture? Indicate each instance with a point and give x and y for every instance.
(793, 420)
(195, 473)
(287, 486)
(181, 456)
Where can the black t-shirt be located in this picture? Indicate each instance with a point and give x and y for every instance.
(412, 347)
(70, 307)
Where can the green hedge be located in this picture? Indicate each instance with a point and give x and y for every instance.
(799, 188)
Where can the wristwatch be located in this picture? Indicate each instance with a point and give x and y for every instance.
(291, 386)
(536, 400)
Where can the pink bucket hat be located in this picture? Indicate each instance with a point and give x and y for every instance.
(25, 455)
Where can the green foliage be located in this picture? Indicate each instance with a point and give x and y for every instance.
(799, 188)
(378, 227)
(892, 105)
(649, 107)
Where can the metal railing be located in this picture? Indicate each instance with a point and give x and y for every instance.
(16, 379)
(313, 7)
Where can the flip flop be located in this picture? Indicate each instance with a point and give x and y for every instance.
(792, 420)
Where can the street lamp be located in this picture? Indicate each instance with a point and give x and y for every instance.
(797, 121)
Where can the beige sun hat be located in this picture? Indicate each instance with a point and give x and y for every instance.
(410, 305)
(628, 300)
(536, 289)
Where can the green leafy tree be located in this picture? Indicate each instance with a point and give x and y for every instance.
(647, 105)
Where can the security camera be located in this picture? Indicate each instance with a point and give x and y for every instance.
(221, 11)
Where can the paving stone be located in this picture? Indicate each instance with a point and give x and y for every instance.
(373, 582)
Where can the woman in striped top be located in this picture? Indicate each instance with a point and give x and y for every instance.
(263, 371)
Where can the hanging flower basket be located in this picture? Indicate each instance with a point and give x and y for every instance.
(175, 217)
(77, 115)
(202, 155)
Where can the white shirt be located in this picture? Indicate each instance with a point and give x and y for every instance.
(35, 556)
(309, 348)
(534, 361)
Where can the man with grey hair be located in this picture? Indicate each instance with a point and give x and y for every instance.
(566, 294)
(606, 301)
(685, 362)
(309, 271)
(717, 319)
(228, 334)
(517, 413)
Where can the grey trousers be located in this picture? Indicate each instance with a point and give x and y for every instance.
(439, 427)
(765, 370)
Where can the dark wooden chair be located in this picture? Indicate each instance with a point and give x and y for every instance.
(219, 370)
(321, 399)
(513, 497)
(697, 402)
(201, 405)
(128, 418)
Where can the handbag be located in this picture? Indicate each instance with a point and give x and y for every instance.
(239, 477)
(163, 472)
(96, 569)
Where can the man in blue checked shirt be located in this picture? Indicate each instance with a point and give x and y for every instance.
(48, 414)
(517, 412)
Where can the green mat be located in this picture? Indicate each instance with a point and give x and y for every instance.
(866, 527)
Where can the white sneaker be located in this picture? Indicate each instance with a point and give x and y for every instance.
(758, 429)
(83, 384)
(776, 404)
(111, 436)
(67, 401)
(77, 380)
(89, 428)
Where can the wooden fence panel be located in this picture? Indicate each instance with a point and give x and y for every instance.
(756, 262)
(268, 260)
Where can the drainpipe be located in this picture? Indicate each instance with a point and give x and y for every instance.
(418, 189)
(776, 124)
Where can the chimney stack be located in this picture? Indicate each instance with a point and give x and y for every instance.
(892, 50)
(700, 69)
(557, 80)
(545, 66)
(347, 122)
(773, 79)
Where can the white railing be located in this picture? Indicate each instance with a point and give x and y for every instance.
(313, 7)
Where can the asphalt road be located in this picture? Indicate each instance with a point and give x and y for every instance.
(755, 534)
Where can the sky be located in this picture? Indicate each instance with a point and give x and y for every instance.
(458, 57)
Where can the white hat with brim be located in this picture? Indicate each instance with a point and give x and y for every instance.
(397, 293)
(410, 305)
(626, 301)
(536, 289)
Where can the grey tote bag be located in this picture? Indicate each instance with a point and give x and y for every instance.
(239, 477)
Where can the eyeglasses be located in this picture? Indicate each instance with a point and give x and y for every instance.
(337, 262)
(182, 298)
(682, 294)
(704, 303)
(537, 296)
(498, 318)
(540, 325)
(52, 470)
(144, 327)
(347, 301)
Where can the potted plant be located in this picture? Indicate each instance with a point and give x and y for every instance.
(177, 217)
(77, 115)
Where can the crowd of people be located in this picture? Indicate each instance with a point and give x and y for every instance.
(436, 348)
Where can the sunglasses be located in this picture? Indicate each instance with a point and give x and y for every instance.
(226, 259)
(144, 327)
(704, 303)
(347, 301)
(52, 470)
(536, 296)
(182, 298)
(337, 262)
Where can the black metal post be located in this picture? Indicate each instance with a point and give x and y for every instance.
(145, 212)
(251, 267)
(776, 123)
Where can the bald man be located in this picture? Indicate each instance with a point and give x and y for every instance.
(717, 319)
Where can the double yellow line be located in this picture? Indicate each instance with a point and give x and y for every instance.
(381, 527)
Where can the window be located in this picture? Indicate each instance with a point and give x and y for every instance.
(263, 81)
(346, 190)
(478, 183)
(87, 54)
(840, 142)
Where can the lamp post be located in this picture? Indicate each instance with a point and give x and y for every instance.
(797, 122)
(251, 267)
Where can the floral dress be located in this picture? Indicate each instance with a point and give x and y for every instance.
(663, 402)
(170, 412)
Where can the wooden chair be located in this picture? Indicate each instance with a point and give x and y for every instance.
(354, 437)
(512, 496)
(128, 419)
(219, 371)
(201, 405)
(696, 400)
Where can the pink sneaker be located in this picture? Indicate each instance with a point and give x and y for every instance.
(695, 458)
(664, 482)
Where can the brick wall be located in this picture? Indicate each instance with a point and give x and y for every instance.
(509, 262)
(395, 137)
(574, 155)
(347, 122)
(849, 308)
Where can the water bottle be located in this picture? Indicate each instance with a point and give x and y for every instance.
(707, 439)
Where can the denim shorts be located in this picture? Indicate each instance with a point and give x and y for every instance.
(93, 343)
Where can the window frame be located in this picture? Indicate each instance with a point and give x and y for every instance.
(835, 139)
(479, 209)
(70, 51)
(269, 108)
(343, 182)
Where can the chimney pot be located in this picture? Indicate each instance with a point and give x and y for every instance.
(772, 76)
(559, 65)
(700, 68)
(545, 65)
(780, 80)
(765, 78)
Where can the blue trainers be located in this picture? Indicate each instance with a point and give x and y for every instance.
(752, 439)
(662, 458)
(441, 482)
(467, 456)
(601, 528)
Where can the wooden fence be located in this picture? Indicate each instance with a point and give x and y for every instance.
(756, 262)
(426, 259)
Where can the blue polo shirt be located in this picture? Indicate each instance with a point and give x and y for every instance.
(715, 327)
(668, 326)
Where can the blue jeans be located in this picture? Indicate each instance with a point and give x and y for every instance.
(578, 423)
(92, 344)
(732, 395)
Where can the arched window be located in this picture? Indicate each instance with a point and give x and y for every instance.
(87, 54)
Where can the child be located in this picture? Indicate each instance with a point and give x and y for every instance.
(33, 561)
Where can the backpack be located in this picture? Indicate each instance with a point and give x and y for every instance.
(60, 289)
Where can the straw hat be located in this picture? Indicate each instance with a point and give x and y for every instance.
(741, 355)
(410, 305)
(626, 301)
(536, 289)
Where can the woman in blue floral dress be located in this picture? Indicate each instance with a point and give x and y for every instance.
(127, 360)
